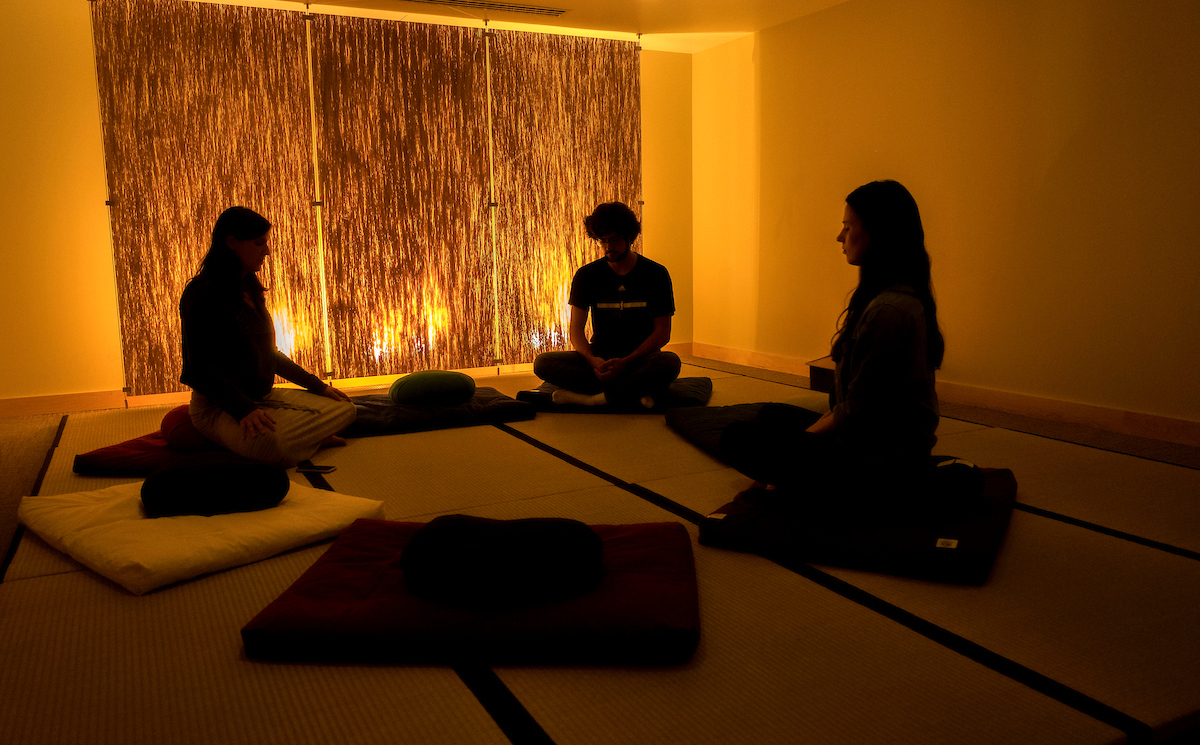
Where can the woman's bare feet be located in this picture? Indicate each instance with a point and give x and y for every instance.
(333, 441)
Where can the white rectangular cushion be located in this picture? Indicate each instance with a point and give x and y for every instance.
(107, 531)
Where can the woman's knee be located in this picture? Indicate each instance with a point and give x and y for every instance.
(344, 415)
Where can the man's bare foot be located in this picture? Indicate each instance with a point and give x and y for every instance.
(646, 402)
(563, 396)
(333, 441)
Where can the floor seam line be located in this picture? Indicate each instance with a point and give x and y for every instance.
(1136, 730)
(15, 543)
(1105, 530)
(500, 703)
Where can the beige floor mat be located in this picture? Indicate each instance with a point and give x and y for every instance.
(739, 390)
(83, 432)
(35, 558)
(632, 447)
(1146, 498)
(90, 430)
(781, 660)
(1109, 618)
(447, 470)
(86, 662)
(947, 426)
(694, 371)
(701, 492)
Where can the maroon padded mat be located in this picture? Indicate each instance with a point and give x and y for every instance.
(352, 606)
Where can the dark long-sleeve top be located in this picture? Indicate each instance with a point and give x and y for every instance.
(229, 352)
(885, 404)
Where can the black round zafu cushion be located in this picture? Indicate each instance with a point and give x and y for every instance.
(213, 484)
(481, 564)
(433, 388)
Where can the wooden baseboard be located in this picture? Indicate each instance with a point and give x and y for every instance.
(1166, 429)
(159, 399)
(62, 403)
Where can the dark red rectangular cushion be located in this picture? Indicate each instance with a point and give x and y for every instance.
(352, 606)
(140, 456)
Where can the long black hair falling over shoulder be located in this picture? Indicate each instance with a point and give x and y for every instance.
(220, 263)
(896, 255)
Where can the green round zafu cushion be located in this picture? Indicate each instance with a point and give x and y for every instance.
(433, 388)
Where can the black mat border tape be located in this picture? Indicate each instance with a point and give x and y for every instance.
(1136, 730)
(1150, 543)
(514, 720)
(316, 479)
(505, 709)
(37, 487)
(656, 499)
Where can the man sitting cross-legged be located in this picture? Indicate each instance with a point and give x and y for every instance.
(631, 302)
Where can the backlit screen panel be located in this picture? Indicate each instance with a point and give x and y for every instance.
(402, 150)
(567, 136)
(204, 107)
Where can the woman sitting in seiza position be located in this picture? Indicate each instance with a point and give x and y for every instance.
(230, 359)
(876, 439)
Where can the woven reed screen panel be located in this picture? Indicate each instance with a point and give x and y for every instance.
(566, 127)
(402, 152)
(204, 107)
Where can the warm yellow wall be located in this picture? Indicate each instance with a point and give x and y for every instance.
(667, 175)
(725, 172)
(58, 314)
(1053, 148)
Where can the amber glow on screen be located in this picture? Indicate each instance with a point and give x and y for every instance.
(205, 106)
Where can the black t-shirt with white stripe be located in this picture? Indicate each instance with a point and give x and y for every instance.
(623, 307)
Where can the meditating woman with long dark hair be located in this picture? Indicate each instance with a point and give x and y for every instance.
(230, 359)
(876, 439)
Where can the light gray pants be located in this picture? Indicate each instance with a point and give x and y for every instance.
(302, 420)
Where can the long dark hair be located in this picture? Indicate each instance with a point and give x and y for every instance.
(895, 255)
(221, 264)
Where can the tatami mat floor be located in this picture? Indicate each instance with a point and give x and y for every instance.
(1085, 632)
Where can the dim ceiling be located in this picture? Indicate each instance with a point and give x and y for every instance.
(624, 16)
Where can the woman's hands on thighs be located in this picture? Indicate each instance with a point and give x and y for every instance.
(331, 392)
(256, 423)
